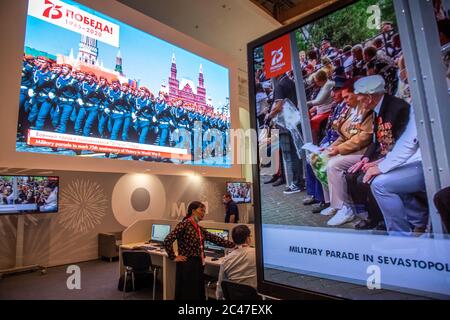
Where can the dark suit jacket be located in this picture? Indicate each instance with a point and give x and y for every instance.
(389, 125)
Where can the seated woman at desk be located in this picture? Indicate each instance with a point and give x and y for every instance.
(190, 284)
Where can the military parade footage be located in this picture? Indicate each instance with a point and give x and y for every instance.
(112, 100)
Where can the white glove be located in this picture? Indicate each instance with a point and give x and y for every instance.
(133, 115)
(107, 111)
(80, 101)
(51, 95)
(30, 93)
(154, 119)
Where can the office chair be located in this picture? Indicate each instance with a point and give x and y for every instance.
(138, 262)
(210, 280)
(237, 291)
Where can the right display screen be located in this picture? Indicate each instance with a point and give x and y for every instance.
(344, 209)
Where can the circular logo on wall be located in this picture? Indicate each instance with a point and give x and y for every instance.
(137, 197)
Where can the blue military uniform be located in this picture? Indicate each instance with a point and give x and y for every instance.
(165, 122)
(103, 116)
(92, 96)
(26, 83)
(145, 119)
(43, 86)
(183, 129)
(127, 120)
(67, 92)
(196, 140)
(118, 106)
(25, 104)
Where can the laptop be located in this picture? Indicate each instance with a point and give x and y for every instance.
(159, 233)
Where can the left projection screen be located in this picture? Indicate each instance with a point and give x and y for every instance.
(93, 86)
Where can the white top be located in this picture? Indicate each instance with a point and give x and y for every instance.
(324, 95)
(406, 149)
(378, 106)
(238, 266)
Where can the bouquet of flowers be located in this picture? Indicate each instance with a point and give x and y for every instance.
(318, 164)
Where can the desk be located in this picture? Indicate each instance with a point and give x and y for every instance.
(160, 258)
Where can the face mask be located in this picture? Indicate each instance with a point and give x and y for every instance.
(224, 201)
(196, 219)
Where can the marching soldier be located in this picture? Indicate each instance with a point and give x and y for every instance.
(103, 116)
(183, 136)
(127, 111)
(117, 107)
(165, 122)
(43, 92)
(26, 83)
(91, 96)
(144, 115)
(80, 77)
(67, 93)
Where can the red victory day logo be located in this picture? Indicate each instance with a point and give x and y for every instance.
(57, 14)
(277, 56)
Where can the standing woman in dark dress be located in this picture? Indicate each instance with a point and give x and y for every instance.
(190, 284)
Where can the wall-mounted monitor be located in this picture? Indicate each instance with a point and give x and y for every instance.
(93, 86)
(374, 232)
(241, 192)
(28, 194)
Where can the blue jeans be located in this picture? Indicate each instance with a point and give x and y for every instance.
(313, 186)
(65, 109)
(292, 164)
(91, 113)
(116, 125)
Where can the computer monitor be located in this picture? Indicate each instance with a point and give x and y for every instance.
(218, 232)
(159, 232)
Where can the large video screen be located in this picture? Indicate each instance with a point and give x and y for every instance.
(28, 194)
(93, 86)
(345, 211)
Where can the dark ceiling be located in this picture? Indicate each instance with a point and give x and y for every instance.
(286, 11)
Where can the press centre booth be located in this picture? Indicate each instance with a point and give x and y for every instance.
(76, 192)
(112, 122)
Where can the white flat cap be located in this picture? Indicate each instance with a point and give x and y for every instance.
(370, 85)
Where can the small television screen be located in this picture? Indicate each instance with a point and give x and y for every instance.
(241, 192)
(218, 232)
(28, 194)
(160, 232)
(93, 86)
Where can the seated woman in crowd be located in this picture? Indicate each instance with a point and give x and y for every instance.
(321, 105)
(327, 66)
(313, 185)
(355, 133)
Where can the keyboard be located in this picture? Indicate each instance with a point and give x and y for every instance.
(213, 254)
(148, 248)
